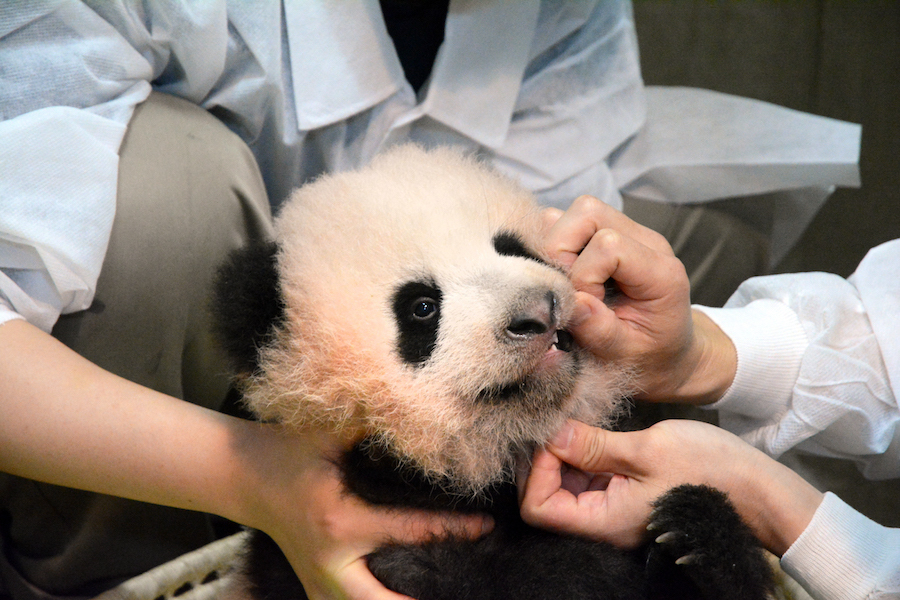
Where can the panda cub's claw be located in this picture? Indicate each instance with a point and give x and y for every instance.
(690, 559)
(697, 531)
(667, 537)
(675, 537)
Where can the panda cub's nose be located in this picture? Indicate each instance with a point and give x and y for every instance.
(536, 318)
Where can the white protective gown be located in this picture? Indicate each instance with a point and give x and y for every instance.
(549, 92)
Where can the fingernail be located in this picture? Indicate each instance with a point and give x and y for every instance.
(563, 437)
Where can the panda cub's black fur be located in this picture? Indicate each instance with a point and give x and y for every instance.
(720, 557)
(247, 303)
(417, 308)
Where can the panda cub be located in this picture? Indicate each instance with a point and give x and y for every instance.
(410, 300)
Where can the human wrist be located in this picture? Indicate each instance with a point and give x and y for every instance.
(707, 369)
(249, 482)
(277, 469)
(777, 503)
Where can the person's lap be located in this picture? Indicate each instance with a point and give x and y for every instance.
(189, 191)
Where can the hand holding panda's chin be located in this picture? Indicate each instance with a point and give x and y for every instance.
(639, 470)
(294, 493)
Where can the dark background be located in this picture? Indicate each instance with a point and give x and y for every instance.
(838, 59)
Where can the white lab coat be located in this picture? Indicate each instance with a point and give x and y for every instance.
(549, 92)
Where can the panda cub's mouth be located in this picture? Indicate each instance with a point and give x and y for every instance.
(562, 341)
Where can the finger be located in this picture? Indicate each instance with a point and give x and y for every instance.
(596, 450)
(548, 504)
(415, 526)
(583, 219)
(552, 484)
(372, 526)
(640, 271)
(598, 328)
(571, 232)
(577, 481)
(544, 502)
(542, 481)
(549, 218)
(358, 583)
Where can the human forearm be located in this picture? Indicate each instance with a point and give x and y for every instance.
(68, 422)
(773, 500)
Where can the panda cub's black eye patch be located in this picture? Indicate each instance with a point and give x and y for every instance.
(507, 243)
(417, 310)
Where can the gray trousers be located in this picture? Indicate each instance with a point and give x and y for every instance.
(189, 191)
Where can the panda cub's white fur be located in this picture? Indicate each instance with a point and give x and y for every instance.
(355, 250)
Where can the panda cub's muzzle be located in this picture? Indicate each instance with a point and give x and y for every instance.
(540, 321)
(533, 332)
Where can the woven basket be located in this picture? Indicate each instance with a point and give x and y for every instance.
(199, 575)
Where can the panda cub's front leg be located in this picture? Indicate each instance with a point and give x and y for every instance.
(698, 528)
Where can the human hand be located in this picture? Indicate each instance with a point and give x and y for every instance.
(325, 532)
(284, 483)
(677, 355)
(602, 484)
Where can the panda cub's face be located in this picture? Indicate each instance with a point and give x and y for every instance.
(504, 321)
(418, 309)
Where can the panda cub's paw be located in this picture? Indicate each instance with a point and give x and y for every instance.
(698, 528)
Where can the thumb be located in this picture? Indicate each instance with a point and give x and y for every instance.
(593, 450)
(597, 327)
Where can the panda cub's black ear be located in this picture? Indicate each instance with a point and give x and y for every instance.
(247, 303)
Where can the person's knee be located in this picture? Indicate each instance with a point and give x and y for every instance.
(189, 192)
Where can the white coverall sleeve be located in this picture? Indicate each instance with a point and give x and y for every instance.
(73, 73)
(819, 363)
(818, 370)
(843, 555)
